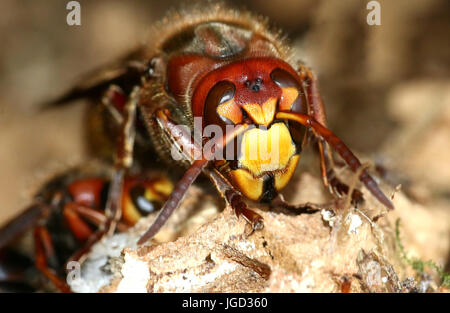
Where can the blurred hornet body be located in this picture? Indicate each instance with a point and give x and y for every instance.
(229, 70)
(64, 217)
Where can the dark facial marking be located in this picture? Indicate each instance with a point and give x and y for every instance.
(269, 191)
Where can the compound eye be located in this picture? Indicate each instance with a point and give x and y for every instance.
(292, 99)
(292, 96)
(220, 108)
(140, 202)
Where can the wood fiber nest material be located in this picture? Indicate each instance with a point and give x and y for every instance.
(203, 250)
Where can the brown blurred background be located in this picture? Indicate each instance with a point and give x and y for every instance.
(386, 88)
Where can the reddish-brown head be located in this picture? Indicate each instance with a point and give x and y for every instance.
(252, 91)
(141, 195)
(255, 88)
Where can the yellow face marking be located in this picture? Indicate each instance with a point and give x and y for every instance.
(250, 186)
(162, 186)
(231, 111)
(262, 114)
(129, 213)
(266, 150)
(288, 96)
(282, 178)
